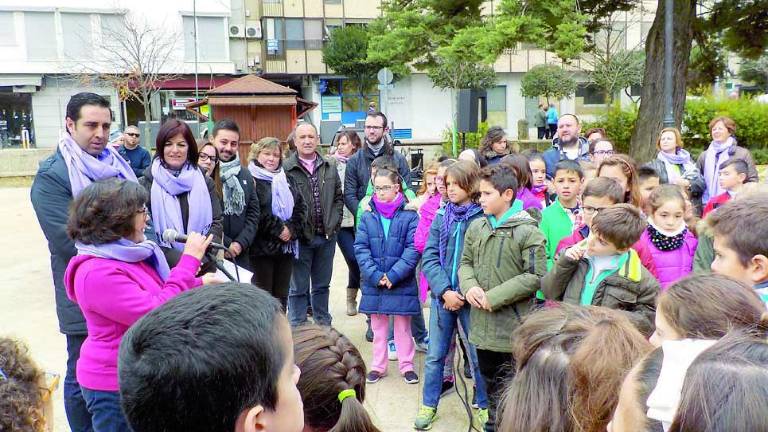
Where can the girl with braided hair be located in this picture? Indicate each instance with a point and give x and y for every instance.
(332, 382)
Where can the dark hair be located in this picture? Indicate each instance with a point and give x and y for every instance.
(494, 134)
(646, 172)
(730, 221)
(571, 361)
(352, 136)
(620, 224)
(726, 388)
(646, 377)
(330, 364)
(104, 211)
(663, 194)
(225, 124)
(501, 177)
(201, 359)
(710, 305)
(215, 175)
(384, 162)
(629, 169)
(21, 400)
(599, 130)
(76, 103)
(467, 176)
(520, 166)
(170, 129)
(388, 173)
(604, 187)
(375, 114)
(569, 166)
(739, 165)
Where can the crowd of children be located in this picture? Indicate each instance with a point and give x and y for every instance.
(572, 296)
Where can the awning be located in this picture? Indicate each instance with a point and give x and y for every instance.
(252, 100)
(21, 80)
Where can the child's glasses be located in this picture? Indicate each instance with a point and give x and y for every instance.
(385, 188)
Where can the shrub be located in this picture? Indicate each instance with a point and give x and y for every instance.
(751, 119)
(618, 124)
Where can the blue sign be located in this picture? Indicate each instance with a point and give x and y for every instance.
(402, 134)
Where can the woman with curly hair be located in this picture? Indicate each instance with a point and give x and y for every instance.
(21, 397)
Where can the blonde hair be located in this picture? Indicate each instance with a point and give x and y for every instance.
(678, 137)
(266, 143)
(430, 171)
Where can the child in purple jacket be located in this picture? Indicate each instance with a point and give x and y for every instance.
(671, 244)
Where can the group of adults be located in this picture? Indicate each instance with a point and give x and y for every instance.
(279, 216)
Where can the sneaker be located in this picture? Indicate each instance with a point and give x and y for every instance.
(411, 377)
(447, 388)
(373, 377)
(474, 398)
(481, 416)
(422, 346)
(425, 418)
(391, 351)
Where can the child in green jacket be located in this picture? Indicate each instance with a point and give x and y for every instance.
(501, 269)
(564, 215)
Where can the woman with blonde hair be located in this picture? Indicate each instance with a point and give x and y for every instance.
(674, 165)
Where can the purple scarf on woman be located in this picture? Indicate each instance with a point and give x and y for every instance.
(128, 251)
(166, 211)
(717, 153)
(85, 169)
(388, 209)
(671, 161)
(453, 214)
(282, 198)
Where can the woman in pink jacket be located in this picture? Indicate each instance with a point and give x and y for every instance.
(116, 278)
(671, 244)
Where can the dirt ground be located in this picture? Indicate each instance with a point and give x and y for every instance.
(28, 313)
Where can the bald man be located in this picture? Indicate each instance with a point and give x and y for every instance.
(317, 180)
(568, 144)
(137, 156)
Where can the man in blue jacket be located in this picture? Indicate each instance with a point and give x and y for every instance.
(82, 156)
(135, 154)
(568, 144)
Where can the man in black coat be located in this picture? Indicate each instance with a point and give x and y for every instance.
(88, 120)
(358, 172)
(239, 200)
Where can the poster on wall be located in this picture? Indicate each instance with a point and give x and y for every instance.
(330, 106)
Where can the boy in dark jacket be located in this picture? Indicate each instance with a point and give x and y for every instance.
(500, 270)
(603, 270)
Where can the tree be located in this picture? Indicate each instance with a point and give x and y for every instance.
(756, 72)
(135, 58)
(549, 81)
(347, 54)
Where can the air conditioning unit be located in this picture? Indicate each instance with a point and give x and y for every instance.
(236, 31)
(253, 30)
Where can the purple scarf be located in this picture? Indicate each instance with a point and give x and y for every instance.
(671, 161)
(166, 211)
(282, 198)
(388, 209)
(85, 169)
(453, 214)
(717, 153)
(340, 158)
(128, 251)
(538, 189)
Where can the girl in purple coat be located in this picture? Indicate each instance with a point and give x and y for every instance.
(671, 244)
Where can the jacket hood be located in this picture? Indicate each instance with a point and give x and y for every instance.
(520, 218)
(69, 274)
(583, 145)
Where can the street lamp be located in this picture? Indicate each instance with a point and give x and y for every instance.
(669, 114)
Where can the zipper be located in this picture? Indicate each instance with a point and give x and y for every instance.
(501, 248)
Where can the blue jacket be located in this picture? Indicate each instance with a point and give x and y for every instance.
(139, 159)
(393, 255)
(51, 195)
(442, 279)
(555, 154)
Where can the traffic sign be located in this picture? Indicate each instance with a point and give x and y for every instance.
(385, 76)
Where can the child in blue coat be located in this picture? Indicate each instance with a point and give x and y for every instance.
(387, 257)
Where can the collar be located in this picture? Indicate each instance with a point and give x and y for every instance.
(517, 206)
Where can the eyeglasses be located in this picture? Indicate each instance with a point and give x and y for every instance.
(385, 188)
(143, 210)
(374, 127)
(603, 153)
(135, 135)
(591, 210)
(205, 157)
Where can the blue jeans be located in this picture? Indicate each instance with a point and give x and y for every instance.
(105, 411)
(315, 266)
(442, 327)
(418, 328)
(78, 417)
(346, 241)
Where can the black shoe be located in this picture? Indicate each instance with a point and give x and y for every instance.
(448, 388)
(373, 377)
(467, 371)
(369, 334)
(411, 377)
(309, 310)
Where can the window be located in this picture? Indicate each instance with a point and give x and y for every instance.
(313, 34)
(332, 1)
(211, 39)
(274, 36)
(497, 106)
(591, 94)
(7, 29)
(40, 36)
(78, 42)
(294, 34)
(351, 100)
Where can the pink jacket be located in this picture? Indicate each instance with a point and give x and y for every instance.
(427, 214)
(529, 199)
(672, 266)
(113, 295)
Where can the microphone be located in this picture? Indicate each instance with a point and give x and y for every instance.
(171, 235)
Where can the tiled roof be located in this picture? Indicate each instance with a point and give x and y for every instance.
(251, 85)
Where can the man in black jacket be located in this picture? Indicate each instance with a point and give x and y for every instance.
(358, 172)
(239, 200)
(317, 180)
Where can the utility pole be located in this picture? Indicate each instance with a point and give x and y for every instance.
(669, 114)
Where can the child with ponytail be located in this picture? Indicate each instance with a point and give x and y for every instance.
(667, 236)
(387, 257)
(332, 381)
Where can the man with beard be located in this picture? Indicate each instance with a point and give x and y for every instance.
(239, 199)
(568, 144)
(359, 165)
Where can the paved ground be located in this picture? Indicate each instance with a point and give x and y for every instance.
(27, 312)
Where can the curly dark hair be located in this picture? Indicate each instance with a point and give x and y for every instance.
(21, 405)
(104, 211)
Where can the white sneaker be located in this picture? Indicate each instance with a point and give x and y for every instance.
(391, 351)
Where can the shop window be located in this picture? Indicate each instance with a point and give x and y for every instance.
(15, 118)
(40, 37)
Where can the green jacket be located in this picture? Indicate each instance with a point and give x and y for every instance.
(409, 197)
(556, 225)
(507, 263)
(705, 251)
(540, 119)
(631, 289)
